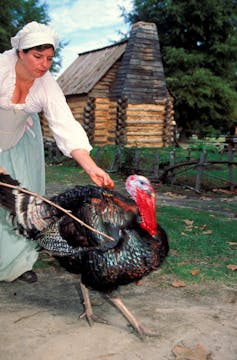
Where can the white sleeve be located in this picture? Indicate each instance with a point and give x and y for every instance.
(68, 133)
(7, 77)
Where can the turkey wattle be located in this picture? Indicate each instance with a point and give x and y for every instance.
(136, 245)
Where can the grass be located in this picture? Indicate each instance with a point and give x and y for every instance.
(63, 173)
(199, 240)
(68, 174)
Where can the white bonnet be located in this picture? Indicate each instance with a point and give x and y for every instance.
(34, 34)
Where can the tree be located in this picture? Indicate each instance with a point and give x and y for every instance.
(198, 40)
(14, 14)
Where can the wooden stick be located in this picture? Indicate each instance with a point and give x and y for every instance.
(68, 212)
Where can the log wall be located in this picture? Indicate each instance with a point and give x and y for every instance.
(145, 125)
(110, 122)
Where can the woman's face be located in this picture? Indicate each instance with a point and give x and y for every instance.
(36, 63)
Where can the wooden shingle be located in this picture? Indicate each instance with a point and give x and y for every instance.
(141, 75)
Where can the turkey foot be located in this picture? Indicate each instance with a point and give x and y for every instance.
(92, 318)
(88, 311)
(137, 326)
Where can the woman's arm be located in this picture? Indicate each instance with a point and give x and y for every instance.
(97, 175)
(70, 136)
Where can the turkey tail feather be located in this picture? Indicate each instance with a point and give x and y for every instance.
(29, 211)
(7, 196)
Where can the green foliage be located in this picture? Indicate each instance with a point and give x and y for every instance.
(203, 99)
(14, 14)
(198, 42)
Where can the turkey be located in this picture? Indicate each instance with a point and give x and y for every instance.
(116, 242)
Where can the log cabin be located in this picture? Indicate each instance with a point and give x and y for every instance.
(118, 93)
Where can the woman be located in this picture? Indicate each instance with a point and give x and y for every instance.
(27, 88)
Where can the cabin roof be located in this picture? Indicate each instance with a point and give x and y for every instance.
(85, 71)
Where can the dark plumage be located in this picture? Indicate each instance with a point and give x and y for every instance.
(138, 245)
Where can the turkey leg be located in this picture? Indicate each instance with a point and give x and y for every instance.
(117, 302)
(139, 328)
(88, 311)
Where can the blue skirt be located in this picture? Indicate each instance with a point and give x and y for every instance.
(24, 162)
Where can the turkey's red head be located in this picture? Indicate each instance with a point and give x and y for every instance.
(143, 194)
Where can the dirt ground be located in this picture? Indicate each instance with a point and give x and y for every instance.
(41, 321)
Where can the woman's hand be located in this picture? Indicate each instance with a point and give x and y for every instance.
(101, 178)
(97, 175)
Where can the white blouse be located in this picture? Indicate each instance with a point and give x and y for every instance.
(45, 95)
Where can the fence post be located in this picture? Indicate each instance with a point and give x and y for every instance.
(157, 164)
(230, 168)
(137, 160)
(188, 157)
(98, 156)
(200, 171)
(117, 161)
(172, 161)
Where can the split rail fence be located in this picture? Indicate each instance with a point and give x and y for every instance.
(178, 172)
(194, 172)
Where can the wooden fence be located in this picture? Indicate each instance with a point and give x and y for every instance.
(175, 171)
(169, 174)
(187, 171)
